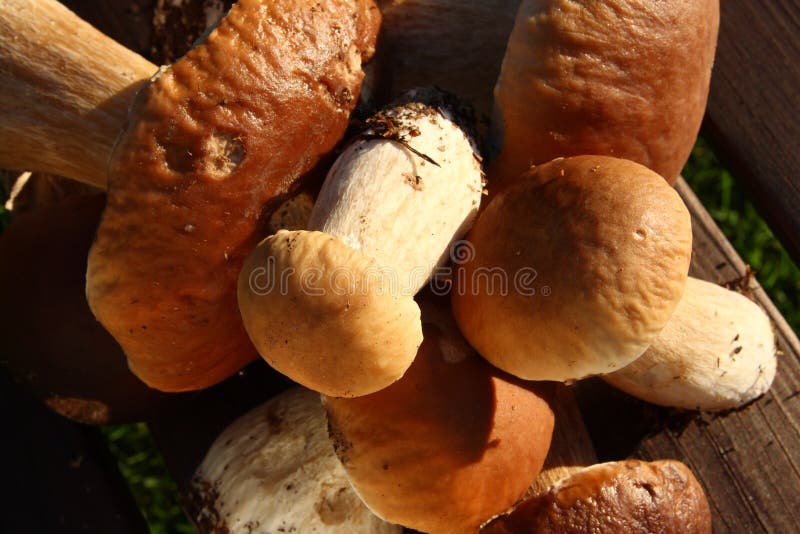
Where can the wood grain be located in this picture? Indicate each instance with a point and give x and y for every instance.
(755, 97)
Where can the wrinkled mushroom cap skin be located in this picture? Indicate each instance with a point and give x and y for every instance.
(628, 497)
(235, 122)
(609, 243)
(451, 444)
(321, 313)
(717, 352)
(274, 470)
(51, 341)
(621, 78)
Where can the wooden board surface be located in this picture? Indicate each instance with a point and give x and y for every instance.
(752, 111)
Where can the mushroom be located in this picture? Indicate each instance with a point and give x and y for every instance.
(274, 470)
(212, 139)
(716, 352)
(332, 308)
(574, 268)
(448, 446)
(52, 344)
(622, 78)
(629, 496)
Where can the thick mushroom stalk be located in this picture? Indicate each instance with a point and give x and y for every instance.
(615, 497)
(621, 78)
(334, 309)
(274, 470)
(577, 267)
(448, 446)
(212, 140)
(716, 352)
(65, 90)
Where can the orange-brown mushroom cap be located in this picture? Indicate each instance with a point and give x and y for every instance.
(448, 446)
(325, 315)
(594, 253)
(629, 497)
(232, 124)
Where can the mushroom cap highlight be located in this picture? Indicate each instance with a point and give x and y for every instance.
(326, 315)
(594, 252)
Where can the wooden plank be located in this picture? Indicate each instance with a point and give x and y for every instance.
(755, 97)
(748, 460)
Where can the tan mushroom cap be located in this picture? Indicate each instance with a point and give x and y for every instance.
(595, 254)
(325, 315)
(451, 444)
(616, 497)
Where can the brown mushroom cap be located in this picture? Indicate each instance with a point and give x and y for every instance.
(619, 78)
(321, 313)
(231, 125)
(595, 254)
(51, 341)
(626, 497)
(448, 446)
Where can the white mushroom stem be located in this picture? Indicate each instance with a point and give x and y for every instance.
(274, 470)
(716, 352)
(405, 191)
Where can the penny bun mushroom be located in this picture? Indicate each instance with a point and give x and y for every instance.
(621, 78)
(212, 139)
(274, 470)
(717, 352)
(616, 497)
(448, 446)
(212, 142)
(577, 267)
(332, 307)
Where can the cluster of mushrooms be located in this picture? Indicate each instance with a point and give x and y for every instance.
(427, 300)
